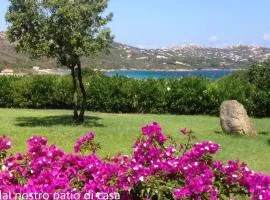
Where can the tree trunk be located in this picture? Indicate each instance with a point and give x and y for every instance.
(83, 103)
(75, 94)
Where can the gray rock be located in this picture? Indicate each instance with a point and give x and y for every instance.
(234, 119)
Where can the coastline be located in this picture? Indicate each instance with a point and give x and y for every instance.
(168, 70)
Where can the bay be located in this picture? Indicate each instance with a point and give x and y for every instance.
(144, 74)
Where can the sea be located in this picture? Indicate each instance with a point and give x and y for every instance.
(158, 74)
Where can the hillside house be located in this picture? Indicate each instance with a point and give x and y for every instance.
(7, 72)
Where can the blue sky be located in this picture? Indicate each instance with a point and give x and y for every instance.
(160, 23)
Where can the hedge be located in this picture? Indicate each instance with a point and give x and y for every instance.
(190, 95)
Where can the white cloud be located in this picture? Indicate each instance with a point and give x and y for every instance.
(213, 38)
(266, 36)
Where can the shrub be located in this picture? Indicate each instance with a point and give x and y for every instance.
(259, 75)
(157, 169)
(230, 88)
(190, 95)
(41, 90)
(62, 92)
(21, 92)
(150, 95)
(186, 95)
(33, 91)
(6, 91)
(261, 105)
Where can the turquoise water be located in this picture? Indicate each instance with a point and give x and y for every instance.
(142, 74)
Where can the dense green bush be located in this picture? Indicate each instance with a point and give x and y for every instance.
(259, 75)
(62, 92)
(229, 88)
(119, 94)
(187, 95)
(6, 91)
(190, 95)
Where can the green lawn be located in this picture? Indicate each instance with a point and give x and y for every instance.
(116, 132)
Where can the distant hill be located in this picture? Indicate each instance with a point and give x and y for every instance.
(125, 56)
(20, 62)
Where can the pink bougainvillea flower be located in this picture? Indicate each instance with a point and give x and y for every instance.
(185, 131)
(48, 169)
(5, 143)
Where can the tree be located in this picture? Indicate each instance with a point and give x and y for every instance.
(61, 29)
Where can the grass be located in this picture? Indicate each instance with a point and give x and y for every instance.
(117, 132)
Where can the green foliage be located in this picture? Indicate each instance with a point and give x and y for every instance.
(64, 30)
(21, 92)
(62, 91)
(230, 88)
(6, 91)
(158, 186)
(259, 75)
(191, 95)
(186, 95)
(59, 29)
(35, 92)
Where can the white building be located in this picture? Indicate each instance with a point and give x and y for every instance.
(7, 72)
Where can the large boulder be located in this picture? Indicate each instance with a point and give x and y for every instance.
(234, 119)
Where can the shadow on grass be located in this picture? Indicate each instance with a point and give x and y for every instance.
(228, 134)
(264, 133)
(231, 134)
(90, 121)
(219, 132)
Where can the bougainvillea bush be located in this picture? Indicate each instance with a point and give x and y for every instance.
(158, 168)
